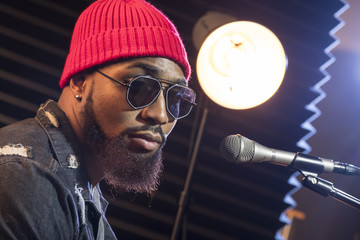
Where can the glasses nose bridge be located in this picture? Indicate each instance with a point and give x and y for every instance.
(158, 110)
(164, 88)
(163, 91)
(162, 94)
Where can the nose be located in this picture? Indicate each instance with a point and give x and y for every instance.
(156, 113)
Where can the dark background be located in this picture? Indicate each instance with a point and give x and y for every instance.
(227, 201)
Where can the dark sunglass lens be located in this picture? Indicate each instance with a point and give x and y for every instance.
(180, 101)
(143, 91)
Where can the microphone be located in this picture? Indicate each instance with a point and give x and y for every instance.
(239, 149)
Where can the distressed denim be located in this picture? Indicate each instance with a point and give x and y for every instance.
(44, 188)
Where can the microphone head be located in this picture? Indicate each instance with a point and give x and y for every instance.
(238, 149)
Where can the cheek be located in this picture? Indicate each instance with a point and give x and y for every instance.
(167, 128)
(112, 112)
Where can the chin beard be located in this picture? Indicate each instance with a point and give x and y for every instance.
(124, 169)
(133, 172)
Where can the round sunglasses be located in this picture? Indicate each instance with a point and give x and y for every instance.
(142, 91)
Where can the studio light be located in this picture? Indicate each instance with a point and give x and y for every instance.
(240, 64)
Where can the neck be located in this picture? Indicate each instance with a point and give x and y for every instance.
(72, 108)
(95, 171)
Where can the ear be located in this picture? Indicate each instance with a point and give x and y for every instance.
(77, 85)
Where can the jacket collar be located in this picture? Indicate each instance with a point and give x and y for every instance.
(67, 150)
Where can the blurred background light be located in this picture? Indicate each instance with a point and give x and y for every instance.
(241, 64)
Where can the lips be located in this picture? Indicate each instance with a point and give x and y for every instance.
(144, 142)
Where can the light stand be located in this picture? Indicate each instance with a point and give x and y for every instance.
(184, 197)
(237, 60)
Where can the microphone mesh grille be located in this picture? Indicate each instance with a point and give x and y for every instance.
(248, 150)
(230, 147)
(238, 149)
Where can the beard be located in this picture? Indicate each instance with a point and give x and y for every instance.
(124, 169)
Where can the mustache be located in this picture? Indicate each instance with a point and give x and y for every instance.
(154, 129)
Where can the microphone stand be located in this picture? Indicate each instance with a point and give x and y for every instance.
(326, 189)
(319, 185)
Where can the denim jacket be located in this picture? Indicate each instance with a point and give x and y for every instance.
(44, 188)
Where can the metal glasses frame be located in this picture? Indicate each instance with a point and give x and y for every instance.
(157, 95)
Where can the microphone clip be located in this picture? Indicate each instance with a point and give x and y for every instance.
(310, 167)
(326, 189)
(307, 165)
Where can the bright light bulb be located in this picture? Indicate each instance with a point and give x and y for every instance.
(241, 64)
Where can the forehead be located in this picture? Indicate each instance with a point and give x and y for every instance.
(154, 66)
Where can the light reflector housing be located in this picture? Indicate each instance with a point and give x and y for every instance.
(241, 65)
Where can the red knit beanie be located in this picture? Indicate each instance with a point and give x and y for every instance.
(119, 29)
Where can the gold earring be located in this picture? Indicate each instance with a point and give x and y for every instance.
(78, 98)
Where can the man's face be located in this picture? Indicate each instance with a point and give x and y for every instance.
(127, 143)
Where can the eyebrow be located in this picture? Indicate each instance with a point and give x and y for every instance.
(153, 70)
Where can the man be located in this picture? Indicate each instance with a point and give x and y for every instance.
(124, 87)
